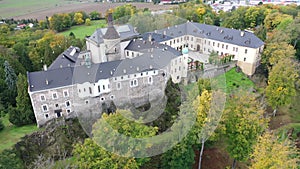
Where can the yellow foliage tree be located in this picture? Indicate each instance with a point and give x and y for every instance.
(272, 154)
(78, 18)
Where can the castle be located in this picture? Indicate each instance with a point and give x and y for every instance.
(122, 66)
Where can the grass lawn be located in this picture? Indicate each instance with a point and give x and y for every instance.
(234, 81)
(10, 8)
(12, 134)
(82, 31)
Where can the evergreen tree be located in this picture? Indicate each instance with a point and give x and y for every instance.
(23, 113)
(10, 76)
(1, 125)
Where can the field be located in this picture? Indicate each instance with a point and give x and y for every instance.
(37, 9)
(82, 31)
(10, 8)
(11, 134)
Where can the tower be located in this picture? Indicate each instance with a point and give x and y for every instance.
(112, 41)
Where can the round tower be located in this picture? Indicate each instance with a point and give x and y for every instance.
(112, 41)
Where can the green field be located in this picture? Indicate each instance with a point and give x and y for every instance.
(10, 8)
(82, 31)
(11, 134)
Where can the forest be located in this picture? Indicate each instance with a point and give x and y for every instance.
(248, 131)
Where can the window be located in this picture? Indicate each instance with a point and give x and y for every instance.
(119, 86)
(246, 51)
(179, 68)
(68, 111)
(45, 107)
(43, 98)
(86, 101)
(102, 98)
(192, 38)
(54, 95)
(222, 46)
(208, 42)
(233, 49)
(150, 80)
(56, 105)
(46, 116)
(188, 38)
(99, 90)
(112, 97)
(66, 93)
(226, 46)
(236, 49)
(141, 74)
(90, 90)
(84, 89)
(133, 83)
(79, 90)
(127, 53)
(218, 44)
(103, 86)
(244, 59)
(213, 43)
(68, 104)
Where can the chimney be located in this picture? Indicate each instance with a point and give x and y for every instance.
(124, 71)
(242, 33)
(47, 82)
(150, 37)
(155, 31)
(45, 67)
(137, 69)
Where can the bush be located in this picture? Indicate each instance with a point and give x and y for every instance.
(1, 125)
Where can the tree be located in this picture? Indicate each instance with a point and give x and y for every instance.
(10, 159)
(94, 15)
(202, 106)
(78, 18)
(60, 22)
(281, 83)
(90, 155)
(88, 22)
(244, 123)
(23, 113)
(1, 125)
(272, 154)
(10, 76)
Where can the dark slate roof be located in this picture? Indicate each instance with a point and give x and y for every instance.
(96, 72)
(155, 60)
(111, 33)
(145, 46)
(222, 34)
(66, 59)
(125, 31)
(155, 37)
(55, 78)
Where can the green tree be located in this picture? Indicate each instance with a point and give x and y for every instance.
(244, 122)
(90, 155)
(1, 125)
(272, 154)
(94, 15)
(10, 159)
(10, 76)
(23, 113)
(282, 83)
(60, 22)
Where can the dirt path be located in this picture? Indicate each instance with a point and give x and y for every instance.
(87, 7)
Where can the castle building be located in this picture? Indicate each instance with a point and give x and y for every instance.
(122, 66)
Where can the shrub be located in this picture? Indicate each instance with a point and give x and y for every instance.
(1, 125)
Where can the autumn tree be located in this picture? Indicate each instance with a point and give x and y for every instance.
(282, 83)
(88, 22)
(60, 22)
(78, 18)
(271, 153)
(244, 123)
